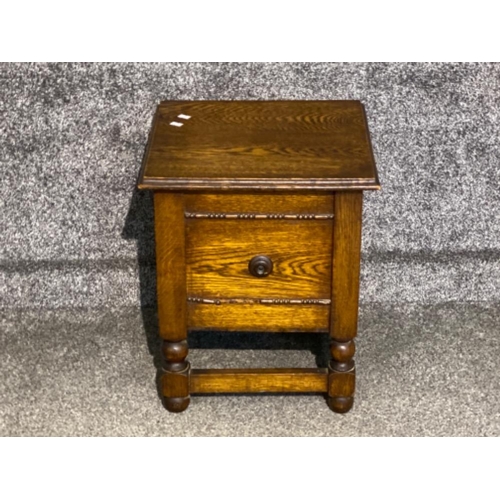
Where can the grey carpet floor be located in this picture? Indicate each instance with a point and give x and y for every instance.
(421, 371)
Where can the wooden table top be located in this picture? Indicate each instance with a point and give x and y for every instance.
(270, 145)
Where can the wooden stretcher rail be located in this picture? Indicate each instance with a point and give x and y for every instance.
(259, 380)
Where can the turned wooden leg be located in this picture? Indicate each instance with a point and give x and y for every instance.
(172, 298)
(345, 298)
(341, 376)
(175, 379)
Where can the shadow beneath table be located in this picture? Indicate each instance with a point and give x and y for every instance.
(139, 226)
(316, 343)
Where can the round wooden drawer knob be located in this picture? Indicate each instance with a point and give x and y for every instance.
(260, 266)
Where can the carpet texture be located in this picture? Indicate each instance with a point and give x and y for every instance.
(421, 371)
(77, 255)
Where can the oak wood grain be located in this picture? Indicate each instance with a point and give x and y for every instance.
(174, 354)
(259, 380)
(175, 390)
(218, 253)
(346, 264)
(264, 203)
(279, 182)
(259, 317)
(341, 384)
(170, 266)
(341, 387)
(340, 404)
(176, 384)
(278, 145)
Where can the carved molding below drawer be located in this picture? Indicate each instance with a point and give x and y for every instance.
(219, 215)
(218, 302)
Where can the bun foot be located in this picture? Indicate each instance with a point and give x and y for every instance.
(340, 404)
(176, 405)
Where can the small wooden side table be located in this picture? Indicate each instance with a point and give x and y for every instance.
(258, 209)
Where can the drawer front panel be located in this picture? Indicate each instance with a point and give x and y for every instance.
(218, 252)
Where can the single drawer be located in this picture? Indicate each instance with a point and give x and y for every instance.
(257, 262)
(221, 255)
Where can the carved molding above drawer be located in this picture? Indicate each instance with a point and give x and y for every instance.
(215, 215)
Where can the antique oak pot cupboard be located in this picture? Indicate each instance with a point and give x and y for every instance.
(258, 210)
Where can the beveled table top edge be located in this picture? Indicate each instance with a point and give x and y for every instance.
(288, 184)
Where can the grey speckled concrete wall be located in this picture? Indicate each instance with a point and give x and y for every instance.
(73, 231)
